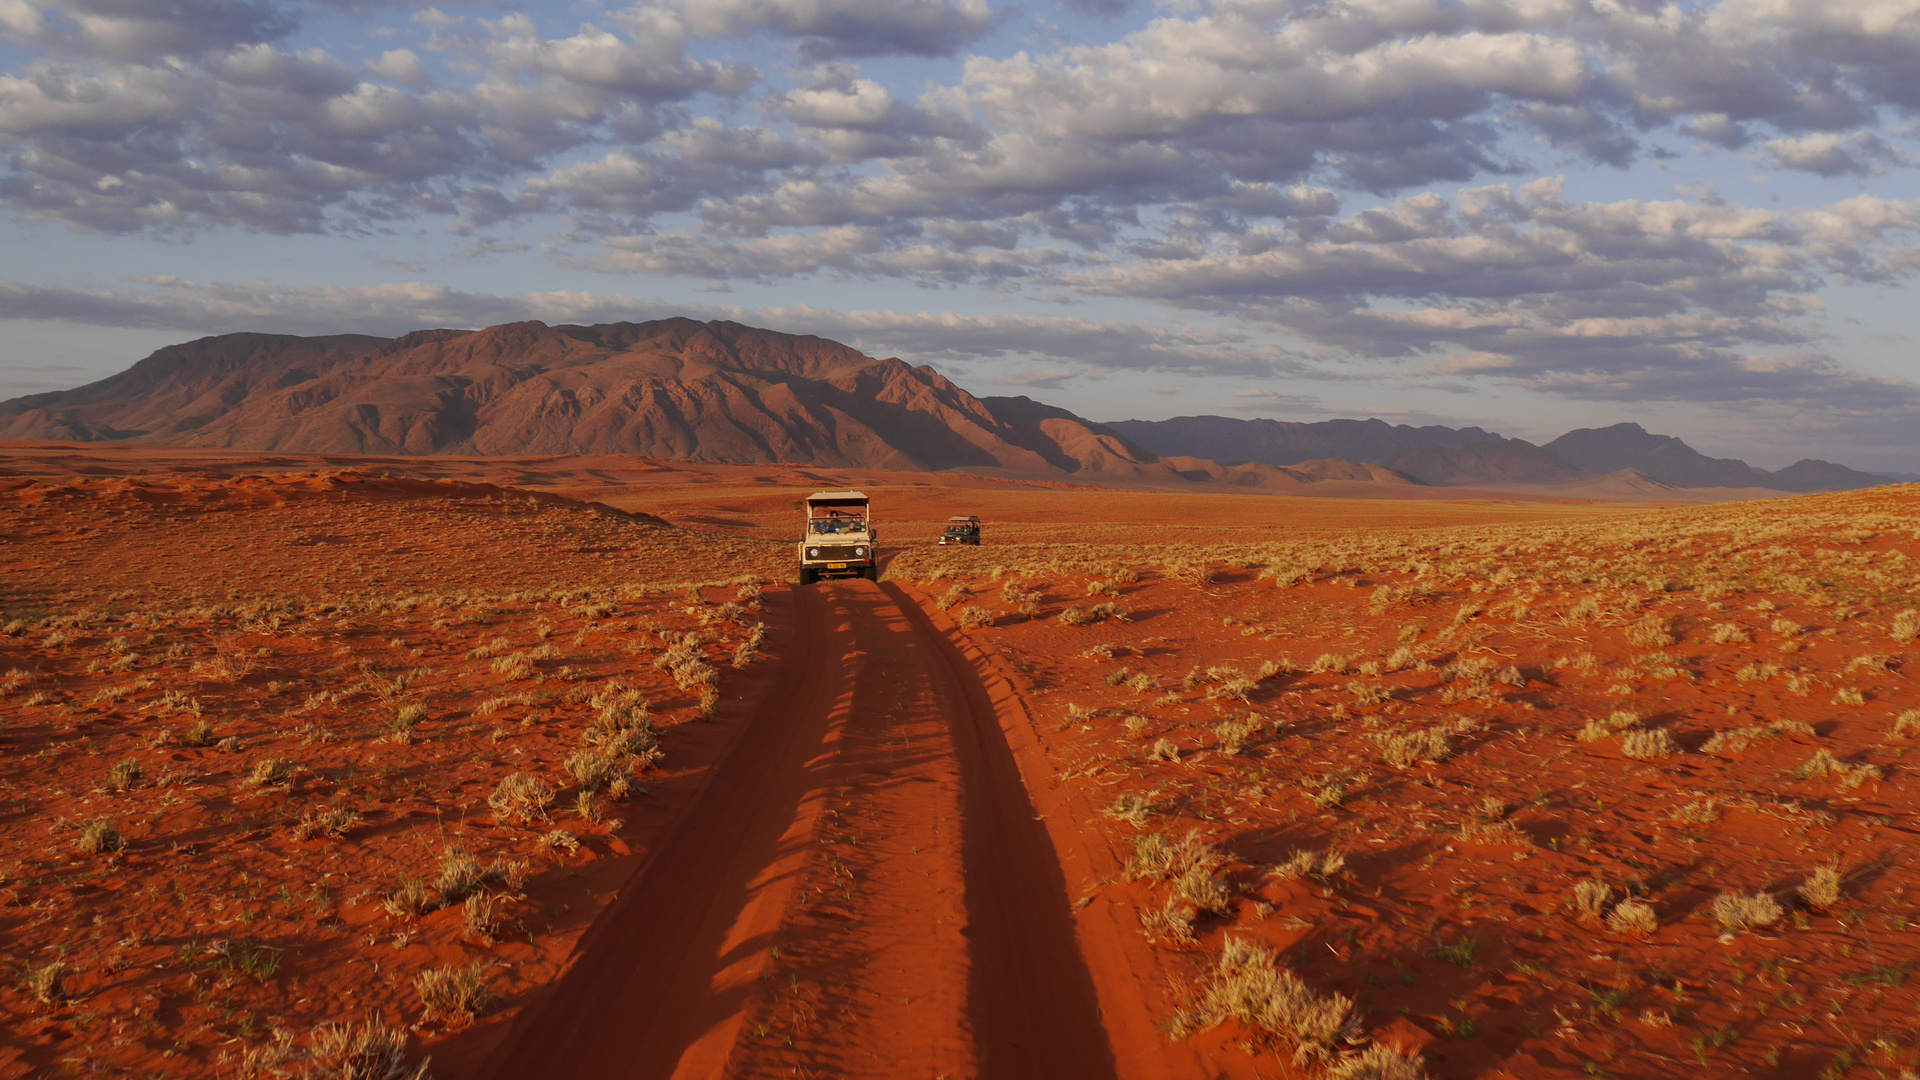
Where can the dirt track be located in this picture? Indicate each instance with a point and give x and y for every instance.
(864, 889)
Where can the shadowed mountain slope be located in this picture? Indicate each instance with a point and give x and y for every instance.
(674, 388)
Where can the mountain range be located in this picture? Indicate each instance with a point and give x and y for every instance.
(724, 392)
(1453, 456)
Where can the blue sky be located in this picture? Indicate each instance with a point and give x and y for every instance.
(1530, 215)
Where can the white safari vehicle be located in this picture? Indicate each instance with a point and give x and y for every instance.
(839, 540)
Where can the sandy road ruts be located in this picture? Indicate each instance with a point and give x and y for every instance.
(874, 719)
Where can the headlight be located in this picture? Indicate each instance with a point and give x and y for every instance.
(813, 553)
(859, 551)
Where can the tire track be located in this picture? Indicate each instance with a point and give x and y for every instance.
(666, 971)
(870, 808)
(1031, 997)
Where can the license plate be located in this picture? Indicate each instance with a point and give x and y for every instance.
(836, 566)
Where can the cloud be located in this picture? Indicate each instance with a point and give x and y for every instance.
(1621, 301)
(1260, 400)
(830, 29)
(1826, 154)
(1040, 380)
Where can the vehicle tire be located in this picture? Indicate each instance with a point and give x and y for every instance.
(807, 576)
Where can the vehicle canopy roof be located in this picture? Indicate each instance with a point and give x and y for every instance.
(836, 500)
(965, 519)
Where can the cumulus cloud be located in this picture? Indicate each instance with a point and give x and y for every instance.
(829, 29)
(1629, 300)
(1826, 154)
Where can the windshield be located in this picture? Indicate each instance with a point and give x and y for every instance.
(830, 526)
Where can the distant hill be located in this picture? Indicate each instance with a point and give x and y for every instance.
(1455, 457)
(1231, 440)
(1513, 461)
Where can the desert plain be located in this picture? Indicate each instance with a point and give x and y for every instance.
(488, 767)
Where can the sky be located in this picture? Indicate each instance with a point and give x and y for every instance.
(1527, 215)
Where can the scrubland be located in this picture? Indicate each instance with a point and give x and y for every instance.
(301, 775)
(1619, 797)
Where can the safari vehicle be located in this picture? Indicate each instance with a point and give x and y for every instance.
(839, 540)
(962, 530)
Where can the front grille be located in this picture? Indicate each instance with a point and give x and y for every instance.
(837, 552)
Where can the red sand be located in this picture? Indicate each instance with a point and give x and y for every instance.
(887, 851)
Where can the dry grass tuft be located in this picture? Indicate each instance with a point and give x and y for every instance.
(1633, 916)
(1907, 724)
(1320, 865)
(1402, 751)
(1172, 921)
(1742, 911)
(1133, 808)
(452, 993)
(1651, 632)
(1590, 899)
(1247, 985)
(1619, 720)
(334, 822)
(98, 837)
(1378, 1062)
(521, 799)
(1649, 745)
(46, 983)
(1906, 625)
(1821, 890)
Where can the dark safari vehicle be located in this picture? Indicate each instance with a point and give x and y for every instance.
(962, 530)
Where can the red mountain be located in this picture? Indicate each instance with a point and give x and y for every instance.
(673, 389)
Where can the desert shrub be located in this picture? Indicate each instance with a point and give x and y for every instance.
(1849, 696)
(952, 596)
(1234, 734)
(1321, 865)
(98, 837)
(46, 983)
(200, 734)
(1378, 1062)
(461, 875)
(1403, 750)
(1618, 720)
(1785, 627)
(480, 917)
(1649, 745)
(593, 771)
(1741, 911)
(1325, 663)
(974, 618)
(409, 715)
(1163, 750)
(1730, 634)
(497, 647)
(1246, 984)
(1907, 724)
(515, 667)
(1131, 807)
(408, 900)
(520, 799)
(452, 993)
(1162, 858)
(1906, 625)
(1699, 812)
(1633, 916)
(1172, 921)
(1651, 632)
(1590, 898)
(1135, 726)
(1205, 890)
(125, 774)
(369, 1052)
(335, 822)
(1098, 613)
(1365, 694)
(1821, 890)
(268, 772)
